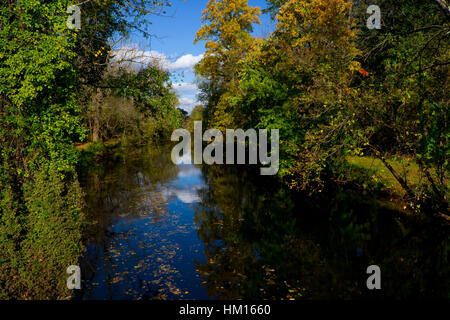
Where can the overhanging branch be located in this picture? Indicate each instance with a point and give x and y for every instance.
(444, 6)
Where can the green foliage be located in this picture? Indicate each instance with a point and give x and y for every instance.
(334, 88)
(38, 248)
(407, 64)
(226, 30)
(197, 114)
(40, 198)
(136, 104)
(46, 72)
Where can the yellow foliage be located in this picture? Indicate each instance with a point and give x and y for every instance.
(226, 30)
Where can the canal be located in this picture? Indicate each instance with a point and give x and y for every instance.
(159, 230)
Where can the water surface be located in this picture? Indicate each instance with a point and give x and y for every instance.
(165, 231)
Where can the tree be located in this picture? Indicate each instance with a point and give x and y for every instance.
(146, 92)
(40, 199)
(274, 6)
(44, 69)
(405, 98)
(335, 88)
(104, 25)
(298, 80)
(226, 30)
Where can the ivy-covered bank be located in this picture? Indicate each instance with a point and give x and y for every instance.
(40, 198)
(52, 79)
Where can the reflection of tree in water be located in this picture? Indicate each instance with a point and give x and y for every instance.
(261, 240)
(128, 188)
(252, 250)
(260, 244)
(118, 189)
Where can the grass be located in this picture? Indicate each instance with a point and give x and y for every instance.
(111, 143)
(406, 167)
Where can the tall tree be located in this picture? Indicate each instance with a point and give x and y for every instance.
(297, 81)
(104, 25)
(226, 30)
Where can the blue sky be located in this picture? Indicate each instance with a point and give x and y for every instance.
(173, 43)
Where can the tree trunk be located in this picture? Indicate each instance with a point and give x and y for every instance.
(98, 100)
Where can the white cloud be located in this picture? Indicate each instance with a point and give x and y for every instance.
(136, 58)
(187, 92)
(186, 88)
(185, 62)
(187, 196)
(187, 104)
(185, 100)
(139, 57)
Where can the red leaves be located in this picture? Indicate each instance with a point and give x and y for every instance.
(363, 72)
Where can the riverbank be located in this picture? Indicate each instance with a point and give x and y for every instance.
(407, 167)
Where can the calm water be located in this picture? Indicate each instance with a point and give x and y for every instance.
(165, 231)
